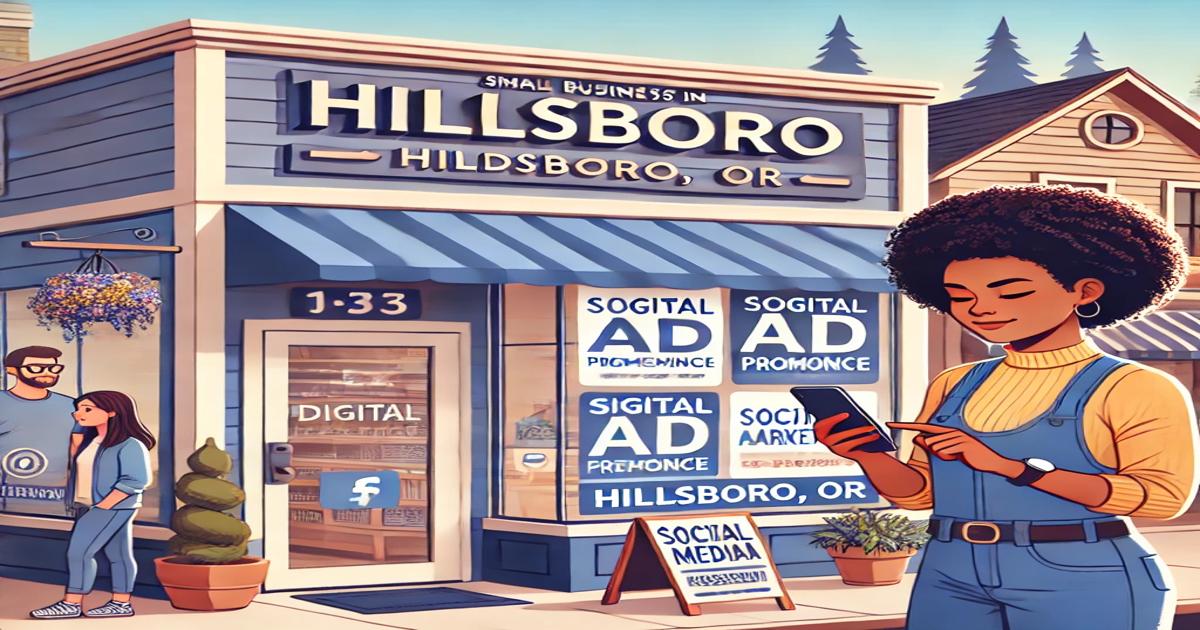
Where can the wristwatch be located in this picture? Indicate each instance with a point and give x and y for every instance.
(1035, 469)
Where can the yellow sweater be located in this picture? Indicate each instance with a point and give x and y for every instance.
(1140, 422)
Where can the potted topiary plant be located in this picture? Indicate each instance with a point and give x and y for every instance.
(210, 569)
(871, 548)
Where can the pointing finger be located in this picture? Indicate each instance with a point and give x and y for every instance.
(921, 427)
(935, 440)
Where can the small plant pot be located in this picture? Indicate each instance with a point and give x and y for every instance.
(876, 569)
(211, 586)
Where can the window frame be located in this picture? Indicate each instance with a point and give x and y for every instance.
(563, 520)
(498, 307)
(1169, 190)
(165, 448)
(1138, 128)
(1110, 183)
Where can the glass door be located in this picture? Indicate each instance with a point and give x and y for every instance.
(372, 419)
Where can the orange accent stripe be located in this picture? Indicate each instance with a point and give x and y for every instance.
(358, 156)
(821, 180)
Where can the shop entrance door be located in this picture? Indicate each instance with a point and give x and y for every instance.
(373, 422)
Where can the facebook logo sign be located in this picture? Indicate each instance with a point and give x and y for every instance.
(360, 489)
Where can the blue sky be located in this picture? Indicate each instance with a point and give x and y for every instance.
(936, 40)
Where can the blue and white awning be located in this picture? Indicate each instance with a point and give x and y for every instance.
(1161, 335)
(275, 244)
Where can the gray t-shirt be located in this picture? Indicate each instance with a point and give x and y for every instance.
(34, 452)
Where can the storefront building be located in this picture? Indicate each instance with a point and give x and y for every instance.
(1115, 132)
(532, 293)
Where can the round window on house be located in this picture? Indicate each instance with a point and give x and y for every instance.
(1112, 130)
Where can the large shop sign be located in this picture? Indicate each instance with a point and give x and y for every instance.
(650, 337)
(565, 132)
(804, 337)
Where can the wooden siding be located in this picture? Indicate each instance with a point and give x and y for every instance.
(98, 138)
(1059, 148)
(256, 107)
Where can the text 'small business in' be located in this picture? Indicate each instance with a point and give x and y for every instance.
(537, 293)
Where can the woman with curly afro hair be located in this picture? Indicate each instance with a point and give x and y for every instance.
(1033, 462)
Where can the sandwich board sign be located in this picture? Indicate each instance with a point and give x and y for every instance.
(703, 558)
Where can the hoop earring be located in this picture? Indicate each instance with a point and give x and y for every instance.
(1091, 315)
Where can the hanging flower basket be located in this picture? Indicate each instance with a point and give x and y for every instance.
(74, 301)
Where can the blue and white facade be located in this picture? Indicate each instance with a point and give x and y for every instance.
(593, 278)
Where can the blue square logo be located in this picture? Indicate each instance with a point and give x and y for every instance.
(360, 489)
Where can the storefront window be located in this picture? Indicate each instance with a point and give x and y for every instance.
(1187, 218)
(530, 402)
(715, 411)
(105, 360)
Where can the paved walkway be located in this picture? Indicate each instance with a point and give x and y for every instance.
(820, 603)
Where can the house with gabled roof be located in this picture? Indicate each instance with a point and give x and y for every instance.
(1114, 131)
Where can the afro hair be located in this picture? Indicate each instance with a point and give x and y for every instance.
(1073, 233)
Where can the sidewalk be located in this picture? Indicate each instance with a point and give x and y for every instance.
(820, 603)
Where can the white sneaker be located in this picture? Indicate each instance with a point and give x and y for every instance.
(57, 610)
(112, 609)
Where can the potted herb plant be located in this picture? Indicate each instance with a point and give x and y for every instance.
(871, 548)
(210, 569)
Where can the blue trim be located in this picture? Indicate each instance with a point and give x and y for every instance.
(166, 389)
(496, 385)
(560, 437)
(587, 563)
(4, 334)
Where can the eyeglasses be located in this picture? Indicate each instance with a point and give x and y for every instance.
(38, 368)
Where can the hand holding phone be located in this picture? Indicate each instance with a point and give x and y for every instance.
(843, 426)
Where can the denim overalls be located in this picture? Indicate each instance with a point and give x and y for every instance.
(1115, 583)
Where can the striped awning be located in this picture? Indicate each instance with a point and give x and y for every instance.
(274, 244)
(1161, 335)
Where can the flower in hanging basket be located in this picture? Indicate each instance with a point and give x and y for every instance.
(74, 301)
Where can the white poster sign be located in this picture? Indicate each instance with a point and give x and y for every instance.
(716, 558)
(770, 435)
(650, 337)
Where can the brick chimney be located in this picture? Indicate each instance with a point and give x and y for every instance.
(16, 19)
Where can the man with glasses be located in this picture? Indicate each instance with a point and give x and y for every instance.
(34, 425)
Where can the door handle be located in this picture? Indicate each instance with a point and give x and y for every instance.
(279, 463)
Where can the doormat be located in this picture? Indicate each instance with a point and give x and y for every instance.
(408, 600)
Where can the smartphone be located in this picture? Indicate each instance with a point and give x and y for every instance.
(823, 402)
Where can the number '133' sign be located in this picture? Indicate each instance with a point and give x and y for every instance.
(355, 303)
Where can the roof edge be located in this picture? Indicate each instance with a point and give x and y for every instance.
(1030, 127)
(395, 50)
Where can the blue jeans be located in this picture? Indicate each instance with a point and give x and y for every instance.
(96, 529)
(1117, 584)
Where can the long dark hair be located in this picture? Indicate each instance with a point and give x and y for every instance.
(125, 424)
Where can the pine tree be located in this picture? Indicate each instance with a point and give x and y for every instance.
(837, 55)
(1083, 60)
(1001, 68)
(1196, 90)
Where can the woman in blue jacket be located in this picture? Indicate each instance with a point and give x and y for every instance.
(111, 469)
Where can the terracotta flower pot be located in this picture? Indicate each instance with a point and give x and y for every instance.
(877, 569)
(211, 586)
